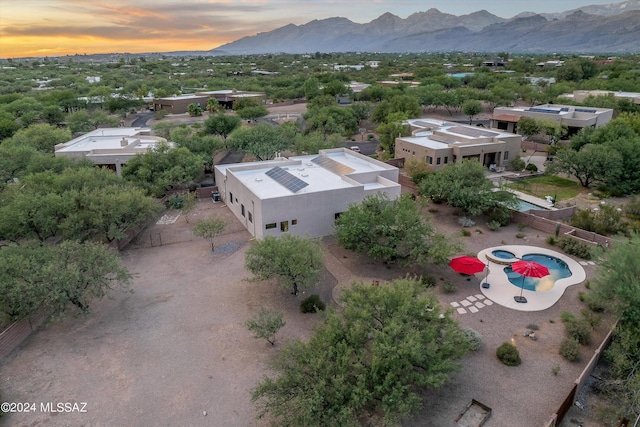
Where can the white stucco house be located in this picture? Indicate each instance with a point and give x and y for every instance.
(302, 195)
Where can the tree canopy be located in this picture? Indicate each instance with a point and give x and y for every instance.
(53, 277)
(222, 124)
(162, 168)
(465, 185)
(372, 362)
(262, 140)
(295, 261)
(391, 231)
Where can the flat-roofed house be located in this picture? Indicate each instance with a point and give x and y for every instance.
(227, 97)
(575, 118)
(439, 143)
(302, 195)
(110, 147)
(179, 104)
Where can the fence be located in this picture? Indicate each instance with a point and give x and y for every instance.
(557, 418)
(18, 331)
(157, 238)
(550, 226)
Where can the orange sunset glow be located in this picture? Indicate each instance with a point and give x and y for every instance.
(66, 27)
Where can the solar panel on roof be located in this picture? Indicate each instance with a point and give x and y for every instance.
(332, 165)
(284, 178)
(443, 138)
(472, 132)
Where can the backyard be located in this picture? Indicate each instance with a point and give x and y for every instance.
(562, 189)
(177, 352)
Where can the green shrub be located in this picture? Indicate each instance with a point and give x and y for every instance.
(595, 303)
(428, 281)
(158, 115)
(532, 168)
(607, 220)
(521, 226)
(508, 354)
(591, 318)
(175, 202)
(574, 247)
(579, 330)
(567, 316)
(520, 236)
(465, 233)
(312, 304)
(632, 208)
(418, 177)
(477, 230)
(551, 240)
(517, 164)
(555, 370)
(501, 214)
(474, 337)
(570, 349)
(493, 225)
(449, 287)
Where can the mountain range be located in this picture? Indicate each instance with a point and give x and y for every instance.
(611, 28)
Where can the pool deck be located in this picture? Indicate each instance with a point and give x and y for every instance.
(502, 291)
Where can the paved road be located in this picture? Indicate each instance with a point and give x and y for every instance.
(366, 148)
(141, 121)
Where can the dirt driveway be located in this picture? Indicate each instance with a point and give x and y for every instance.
(164, 355)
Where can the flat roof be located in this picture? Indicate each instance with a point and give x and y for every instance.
(110, 139)
(255, 177)
(438, 135)
(186, 96)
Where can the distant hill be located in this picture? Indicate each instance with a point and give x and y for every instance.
(613, 28)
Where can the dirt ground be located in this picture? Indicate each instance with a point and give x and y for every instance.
(176, 348)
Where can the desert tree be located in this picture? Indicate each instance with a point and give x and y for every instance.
(372, 362)
(295, 261)
(209, 229)
(266, 324)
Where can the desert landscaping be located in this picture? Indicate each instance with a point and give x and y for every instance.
(176, 351)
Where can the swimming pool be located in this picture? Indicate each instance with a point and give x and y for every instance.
(526, 206)
(558, 269)
(503, 254)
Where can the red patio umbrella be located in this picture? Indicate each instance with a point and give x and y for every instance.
(467, 265)
(528, 269)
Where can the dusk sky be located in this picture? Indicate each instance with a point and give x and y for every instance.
(61, 27)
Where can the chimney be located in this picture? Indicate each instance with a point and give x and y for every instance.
(124, 142)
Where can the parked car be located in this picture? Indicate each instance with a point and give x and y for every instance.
(355, 148)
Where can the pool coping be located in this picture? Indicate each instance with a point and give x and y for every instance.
(501, 291)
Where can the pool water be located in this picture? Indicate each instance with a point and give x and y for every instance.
(526, 206)
(558, 269)
(503, 254)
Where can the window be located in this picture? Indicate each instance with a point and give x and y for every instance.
(446, 160)
(429, 160)
(506, 155)
(230, 197)
(271, 225)
(294, 222)
(284, 226)
(413, 153)
(438, 161)
(242, 210)
(503, 125)
(250, 217)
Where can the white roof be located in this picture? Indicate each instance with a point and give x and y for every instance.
(318, 177)
(110, 139)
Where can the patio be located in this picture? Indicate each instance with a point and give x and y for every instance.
(501, 290)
